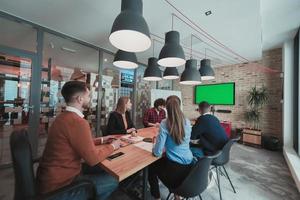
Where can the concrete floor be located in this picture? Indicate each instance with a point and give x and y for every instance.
(257, 174)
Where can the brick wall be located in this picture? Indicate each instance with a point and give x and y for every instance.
(263, 72)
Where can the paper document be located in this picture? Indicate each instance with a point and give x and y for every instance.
(130, 139)
(144, 145)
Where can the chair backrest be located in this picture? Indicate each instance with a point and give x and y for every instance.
(197, 180)
(23, 166)
(225, 155)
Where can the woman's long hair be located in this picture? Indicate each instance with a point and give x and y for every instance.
(176, 119)
(121, 105)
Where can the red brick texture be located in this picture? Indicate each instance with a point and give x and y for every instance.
(263, 72)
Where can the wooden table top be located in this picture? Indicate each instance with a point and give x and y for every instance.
(133, 160)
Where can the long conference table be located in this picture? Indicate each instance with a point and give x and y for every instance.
(134, 159)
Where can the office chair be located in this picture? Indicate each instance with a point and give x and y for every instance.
(25, 181)
(221, 160)
(197, 180)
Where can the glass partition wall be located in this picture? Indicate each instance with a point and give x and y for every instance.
(48, 63)
(65, 60)
(16, 64)
(143, 92)
(116, 83)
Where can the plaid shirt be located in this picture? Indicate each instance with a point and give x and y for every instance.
(151, 116)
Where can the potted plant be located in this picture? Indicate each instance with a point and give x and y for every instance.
(257, 98)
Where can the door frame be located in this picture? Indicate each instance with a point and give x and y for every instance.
(35, 93)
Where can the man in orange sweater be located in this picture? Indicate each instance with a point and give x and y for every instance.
(69, 141)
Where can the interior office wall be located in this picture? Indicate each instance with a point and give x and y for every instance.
(143, 91)
(17, 71)
(43, 30)
(296, 117)
(291, 157)
(265, 72)
(288, 97)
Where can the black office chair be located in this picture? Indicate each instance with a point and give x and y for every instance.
(221, 160)
(25, 182)
(197, 180)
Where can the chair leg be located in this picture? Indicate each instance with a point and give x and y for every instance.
(229, 179)
(218, 179)
(221, 172)
(200, 197)
(214, 177)
(168, 196)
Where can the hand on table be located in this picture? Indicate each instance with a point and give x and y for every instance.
(108, 139)
(157, 125)
(105, 139)
(132, 131)
(116, 144)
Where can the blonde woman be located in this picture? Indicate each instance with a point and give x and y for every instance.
(174, 136)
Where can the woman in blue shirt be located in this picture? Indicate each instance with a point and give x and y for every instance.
(174, 137)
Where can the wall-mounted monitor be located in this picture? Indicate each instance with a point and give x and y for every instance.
(127, 80)
(216, 94)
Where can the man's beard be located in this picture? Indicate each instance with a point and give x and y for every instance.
(86, 105)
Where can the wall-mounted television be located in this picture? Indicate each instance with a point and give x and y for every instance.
(216, 94)
(127, 78)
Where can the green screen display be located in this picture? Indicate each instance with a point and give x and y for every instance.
(216, 94)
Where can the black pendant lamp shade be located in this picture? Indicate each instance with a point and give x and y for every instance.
(206, 71)
(130, 31)
(190, 75)
(171, 55)
(125, 60)
(152, 72)
(171, 73)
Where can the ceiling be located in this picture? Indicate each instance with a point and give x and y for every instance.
(280, 21)
(236, 31)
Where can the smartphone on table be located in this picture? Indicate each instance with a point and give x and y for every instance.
(116, 155)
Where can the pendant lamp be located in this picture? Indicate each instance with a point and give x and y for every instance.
(206, 71)
(152, 72)
(171, 55)
(171, 73)
(125, 60)
(190, 75)
(130, 31)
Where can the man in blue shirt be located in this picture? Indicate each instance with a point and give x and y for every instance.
(208, 131)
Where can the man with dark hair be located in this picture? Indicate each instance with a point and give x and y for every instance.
(69, 141)
(208, 130)
(155, 115)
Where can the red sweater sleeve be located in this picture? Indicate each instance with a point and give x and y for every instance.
(82, 142)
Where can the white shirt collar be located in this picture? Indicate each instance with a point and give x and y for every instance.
(208, 113)
(75, 110)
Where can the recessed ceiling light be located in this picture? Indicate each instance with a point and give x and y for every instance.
(105, 59)
(51, 45)
(208, 13)
(68, 49)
